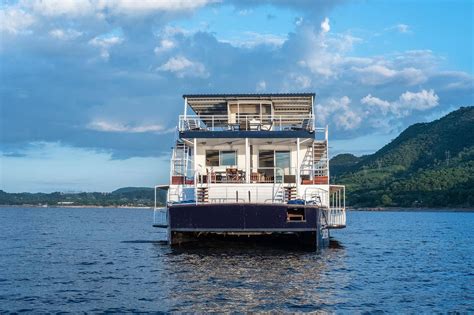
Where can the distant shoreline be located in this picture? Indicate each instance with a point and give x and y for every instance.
(372, 209)
(408, 209)
(76, 206)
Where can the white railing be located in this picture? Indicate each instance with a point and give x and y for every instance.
(317, 196)
(336, 217)
(160, 214)
(337, 207)
(246, 122)
(260, 175)
(273, 193)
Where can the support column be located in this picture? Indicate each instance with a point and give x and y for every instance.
(185, 107)
(298, 165)
(195, 175)
(195, 160)
(185, 111)
(247, 161)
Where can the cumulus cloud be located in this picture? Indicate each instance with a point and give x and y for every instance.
(406, 103)
(110, 126)
(65, 34)
(370, 100)
(102, 8)
(105, 43)
(339, 112)
(356, 95)
(422, 100)
(183, 67)
(14, 20)
(377, 74)
(165, 45)
(253, 39)
(325, 25)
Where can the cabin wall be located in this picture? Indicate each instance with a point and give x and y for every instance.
(240, 148)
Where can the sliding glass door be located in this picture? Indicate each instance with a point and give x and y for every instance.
(274, 164)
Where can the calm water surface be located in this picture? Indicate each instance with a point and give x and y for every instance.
(96, 260)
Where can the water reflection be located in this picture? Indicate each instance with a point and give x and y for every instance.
(242, 276)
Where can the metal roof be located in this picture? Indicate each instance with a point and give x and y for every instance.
(256, 95)
(283, 103)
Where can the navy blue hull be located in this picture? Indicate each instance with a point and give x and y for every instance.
(189, 219)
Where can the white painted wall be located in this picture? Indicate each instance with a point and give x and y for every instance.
(240, 148)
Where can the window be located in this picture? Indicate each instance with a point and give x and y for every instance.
(274, 163)
(228, 158)
(212, 158)
(266, 158)
(221, 158)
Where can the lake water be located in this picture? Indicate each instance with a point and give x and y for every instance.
(94, 260)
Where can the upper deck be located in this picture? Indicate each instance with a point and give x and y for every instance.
(247, 115)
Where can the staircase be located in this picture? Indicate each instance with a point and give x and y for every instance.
(315, 161)
(279, 194)
(180, 159)
(290, 193)
(202, 194)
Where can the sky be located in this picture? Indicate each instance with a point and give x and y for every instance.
(90, 90)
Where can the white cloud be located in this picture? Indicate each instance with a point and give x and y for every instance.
(65, 34)
(127, 7)
(377, 113)
(401, 28)
(422, 100)
(254, 39)
(101, 8)
(14, 20)
(108, 126)
(165, 45)
(183, 67)
(325, 26)
(324, 54)
(105, 43)
(72, 8)
(261, 86)
(384, 106)
(245, 12)
(376, 74)
(339, 112)
(406, 103)
(301, 81)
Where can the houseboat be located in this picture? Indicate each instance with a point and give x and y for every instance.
(250, 165)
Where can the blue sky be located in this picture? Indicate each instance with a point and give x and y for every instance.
(90, 90)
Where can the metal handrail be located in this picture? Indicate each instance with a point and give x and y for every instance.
(248, 122)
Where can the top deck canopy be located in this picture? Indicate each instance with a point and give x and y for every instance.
(283, 104)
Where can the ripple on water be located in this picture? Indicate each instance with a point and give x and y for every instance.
(113, 262)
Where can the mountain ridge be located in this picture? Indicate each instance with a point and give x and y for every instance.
(428, 164)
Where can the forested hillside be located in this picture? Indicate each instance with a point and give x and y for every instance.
(427, 165)
(128, 196)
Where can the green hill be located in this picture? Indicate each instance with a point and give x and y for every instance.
(428, 165)
(128, 196)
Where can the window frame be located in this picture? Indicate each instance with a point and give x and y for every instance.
(220, 157)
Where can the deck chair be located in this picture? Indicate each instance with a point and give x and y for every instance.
(304, 125)
(192, 124)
